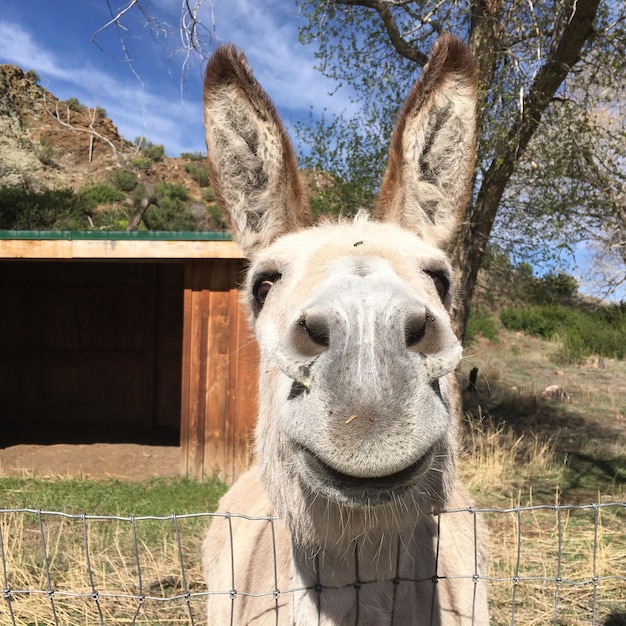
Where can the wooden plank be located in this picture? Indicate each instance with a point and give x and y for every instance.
(215, 440)
(117, 249)
(32, 249)
(242, 409)
(219, 373)
(246, 390)
(230, 462)
(196, 341)
(186, 373)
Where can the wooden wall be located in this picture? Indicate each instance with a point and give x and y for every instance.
(219, 378)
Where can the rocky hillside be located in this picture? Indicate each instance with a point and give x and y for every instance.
(46, 143)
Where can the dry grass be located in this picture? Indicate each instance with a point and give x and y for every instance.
(533, 545)
(135, 568)
(497, 461)
(567, 563)
(549, 564)
(588, 432)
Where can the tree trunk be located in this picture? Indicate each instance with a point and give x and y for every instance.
(573, 28)
(142, 207)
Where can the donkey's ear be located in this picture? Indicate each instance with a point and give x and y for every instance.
(427, 183)
(254, 175)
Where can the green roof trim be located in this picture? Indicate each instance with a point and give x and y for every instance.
(143, 235)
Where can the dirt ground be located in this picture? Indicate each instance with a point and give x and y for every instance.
(126, 461)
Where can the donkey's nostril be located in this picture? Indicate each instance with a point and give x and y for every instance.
(414, 329)
(316, 328)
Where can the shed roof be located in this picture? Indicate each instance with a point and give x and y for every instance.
(104, 245)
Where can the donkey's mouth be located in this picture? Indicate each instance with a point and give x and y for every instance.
(357, 491)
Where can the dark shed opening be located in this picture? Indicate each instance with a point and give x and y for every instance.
(90, 352)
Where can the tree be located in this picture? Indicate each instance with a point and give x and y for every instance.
(584, 144)
(531, 58)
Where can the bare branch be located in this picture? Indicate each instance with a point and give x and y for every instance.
(402, 46)
(190, 30)
(115, 22)
(91, 131)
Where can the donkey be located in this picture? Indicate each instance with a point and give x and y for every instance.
(357, 426)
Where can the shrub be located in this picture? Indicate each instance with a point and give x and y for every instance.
(33, 74)
(169, 218)
(149, 150)
(111, 219)
(533, 320)
(582, 334)
(217, 217)
(480, 322)
(101, 111)
(193, 156)
(171, 191)
(49, 209)
(94, 195)
(123, 180)
(198, 172)
(154, 152)
(73, 104)
(45, 152)
(141, 163)
(208, 195)
(173, 212)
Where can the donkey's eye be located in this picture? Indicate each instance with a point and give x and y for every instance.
(441, 281)
(261, 287)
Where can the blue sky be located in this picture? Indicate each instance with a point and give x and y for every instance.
(160, 97)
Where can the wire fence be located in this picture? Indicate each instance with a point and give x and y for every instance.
(549, 564)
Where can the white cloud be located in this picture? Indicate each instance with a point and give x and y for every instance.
(268, 34)
(174, 123)
(18, 47)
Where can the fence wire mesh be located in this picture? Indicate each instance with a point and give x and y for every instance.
(549, 564)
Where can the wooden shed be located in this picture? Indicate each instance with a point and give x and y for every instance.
(131, 336)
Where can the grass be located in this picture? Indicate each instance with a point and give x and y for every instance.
(527, 455)
(551, 561)
(157, 496)
(121, 554)
(534, 542)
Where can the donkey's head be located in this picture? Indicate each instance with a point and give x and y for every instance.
(357, 408)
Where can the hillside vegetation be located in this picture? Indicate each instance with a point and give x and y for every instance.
(546, 365)
(64, 166)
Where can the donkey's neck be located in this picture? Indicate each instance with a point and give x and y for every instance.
(370, 576)
(376, 554)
